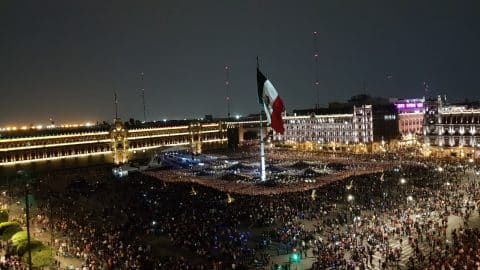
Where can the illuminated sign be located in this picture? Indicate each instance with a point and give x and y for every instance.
(409, 106)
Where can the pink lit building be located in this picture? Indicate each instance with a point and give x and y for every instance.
(410, 116)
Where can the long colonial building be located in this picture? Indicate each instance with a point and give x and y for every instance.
(116, 144)
(340, 129)
(453, 131)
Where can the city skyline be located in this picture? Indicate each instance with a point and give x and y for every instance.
(66, 60)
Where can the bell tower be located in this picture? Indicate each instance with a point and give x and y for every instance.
(120, 146)
(195, 138)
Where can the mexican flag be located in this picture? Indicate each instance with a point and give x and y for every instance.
(271, 102)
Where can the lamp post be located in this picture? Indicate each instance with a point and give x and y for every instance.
(403, 191)
(52, 238)
(409, 199)
(23, 175)
(27, 213)
(350, 199)
(475, 149)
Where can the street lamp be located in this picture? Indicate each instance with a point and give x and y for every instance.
(403, 181)
(475, 150)
(23, 175)
(295, 257)
(350, 197)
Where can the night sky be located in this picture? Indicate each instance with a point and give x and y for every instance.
(65, 59)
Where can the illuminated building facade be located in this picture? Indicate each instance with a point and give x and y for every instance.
(410, 116)
(118, 144)
(452, 131)
(349, 128)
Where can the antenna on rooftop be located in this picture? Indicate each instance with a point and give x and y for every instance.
(425, 89)
(116, 105)
(143, 100)
(315, 59)
(227, 89)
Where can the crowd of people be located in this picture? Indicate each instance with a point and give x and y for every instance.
(398, 224)
(164, 220)
(12, 263)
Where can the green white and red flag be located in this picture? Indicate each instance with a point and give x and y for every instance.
(272, 103)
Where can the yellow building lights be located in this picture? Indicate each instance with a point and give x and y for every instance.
(119, 142)
(54, 158)
(73, 135)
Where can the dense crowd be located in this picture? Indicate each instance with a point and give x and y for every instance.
(141, 222)
(12, 263)
(407, 228)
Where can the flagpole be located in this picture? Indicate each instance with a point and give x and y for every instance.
(262, 151)
(262, 146)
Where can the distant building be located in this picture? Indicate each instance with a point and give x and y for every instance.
(384, 116)
(208, 118)
(453, 126)
(385, 122)
(452, 130)
(410, 116)
(345, 127)
(116, 143)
